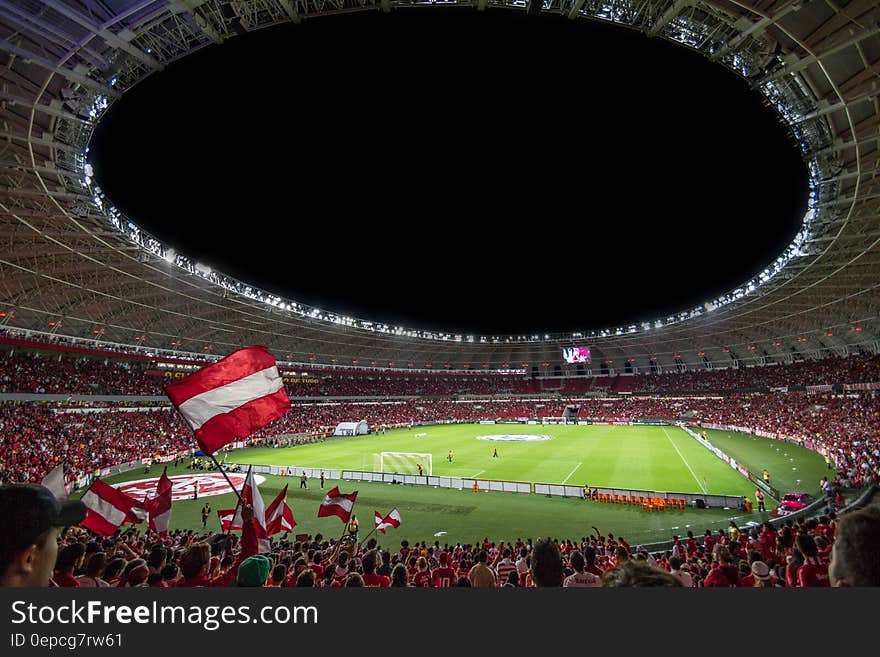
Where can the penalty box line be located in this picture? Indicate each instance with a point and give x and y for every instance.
(681, 456)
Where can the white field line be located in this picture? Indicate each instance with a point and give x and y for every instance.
(476, 475)
(699, 483)
(572, 472)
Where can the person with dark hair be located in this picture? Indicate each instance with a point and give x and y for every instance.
(724, 571)
(639, 574)
(512, 580)
(113, 572)
(399, 577)
(504, 566)
(70, 558)
(195, 561)
(855, 559)
(422, 578)
(443, 576)
(157, 559)
(580, 578)
(812, 572)
(547, 568)
(481, 576)
(276, 579)
(170, 573)
(95, 567)
(677, 570)
(371, 579)
(463, 581)
(138, 575)
(354, 580)
(306, 579)
(31, 520)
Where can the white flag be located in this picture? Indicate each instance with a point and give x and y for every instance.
(54, 481)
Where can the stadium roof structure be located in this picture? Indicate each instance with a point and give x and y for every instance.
(72, 265)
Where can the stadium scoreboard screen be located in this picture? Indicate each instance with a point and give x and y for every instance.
(576, 354)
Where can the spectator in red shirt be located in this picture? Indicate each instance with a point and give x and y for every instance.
(422, 578)
(195, 561)
(724, 572)
(371, 579)
(812, 572)
(444, 576)
(70, 558)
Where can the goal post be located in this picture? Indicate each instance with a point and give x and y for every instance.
(403, 462)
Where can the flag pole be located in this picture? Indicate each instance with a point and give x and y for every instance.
(240, 500)
(234, 513)
(375, 525)
(226, 476)
(344, 529)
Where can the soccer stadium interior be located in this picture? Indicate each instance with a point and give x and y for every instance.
(97, 316)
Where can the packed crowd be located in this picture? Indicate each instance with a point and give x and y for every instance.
(73, 376)
(856, 368)
(67, 374)
(36, 437)
(798, 554)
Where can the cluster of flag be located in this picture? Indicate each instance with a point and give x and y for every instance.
(223, 402)
(277, 518)
(391, 520)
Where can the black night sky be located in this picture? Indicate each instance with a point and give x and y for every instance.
(455, 170)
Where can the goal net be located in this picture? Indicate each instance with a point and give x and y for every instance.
(402, 462)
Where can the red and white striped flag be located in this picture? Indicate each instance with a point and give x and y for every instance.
(250, 494)
(54, 481)
(159, 507)
(391, 520)
(337, 504)
(108, 508)
(227, 518)
(231, 398)
(279, 517)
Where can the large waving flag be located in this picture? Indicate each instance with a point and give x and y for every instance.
(337, 504)
(231, 398)
(108, 508)
(391, 520)
(279, 517)
(159, 507)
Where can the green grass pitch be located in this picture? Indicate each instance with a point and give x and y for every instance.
(648, 458)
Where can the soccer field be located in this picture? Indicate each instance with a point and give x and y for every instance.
(650, 458)
(645, 458)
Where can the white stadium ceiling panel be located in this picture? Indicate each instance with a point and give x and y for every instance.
(66, 252)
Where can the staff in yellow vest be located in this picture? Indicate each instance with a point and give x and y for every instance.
(353, 525)
(759, 496)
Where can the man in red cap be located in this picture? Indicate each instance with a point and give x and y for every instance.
(31, 521)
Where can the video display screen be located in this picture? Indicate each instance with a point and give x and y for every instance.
(576, 354)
